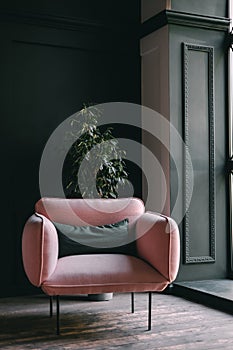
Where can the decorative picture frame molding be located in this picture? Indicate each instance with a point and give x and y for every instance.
(187, 51)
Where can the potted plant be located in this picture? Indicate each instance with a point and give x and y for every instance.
(98, 154)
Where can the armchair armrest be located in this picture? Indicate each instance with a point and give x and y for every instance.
(39, 248)
(158, 243)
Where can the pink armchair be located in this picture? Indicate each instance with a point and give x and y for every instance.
(153, 268)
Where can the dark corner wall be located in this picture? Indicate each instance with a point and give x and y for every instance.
(55, 56)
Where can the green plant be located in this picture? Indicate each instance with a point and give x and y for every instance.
(95, 159)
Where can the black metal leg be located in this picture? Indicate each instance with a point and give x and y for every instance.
(132, 302)
(51, 306)
(149, 311)
(58, 315)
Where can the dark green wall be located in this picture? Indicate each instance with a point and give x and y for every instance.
(55, 56)
(104, 11)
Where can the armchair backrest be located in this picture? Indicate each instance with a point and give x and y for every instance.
(90, 211)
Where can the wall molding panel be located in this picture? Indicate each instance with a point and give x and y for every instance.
(199, 138)
(185, 19)
(81, 25)
(50, 20)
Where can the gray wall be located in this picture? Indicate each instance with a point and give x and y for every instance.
(197, 94)
(200, 115)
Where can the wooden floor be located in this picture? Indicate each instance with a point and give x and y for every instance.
(177, 324)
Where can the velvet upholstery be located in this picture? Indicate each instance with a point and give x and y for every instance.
(102, 273)
(40, 249)
(90, 211)
(157, 244)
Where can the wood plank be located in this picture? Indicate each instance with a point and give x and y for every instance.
(177, 324)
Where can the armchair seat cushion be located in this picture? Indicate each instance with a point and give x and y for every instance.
(103, 273)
